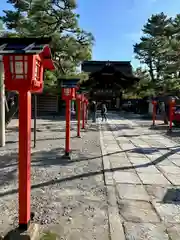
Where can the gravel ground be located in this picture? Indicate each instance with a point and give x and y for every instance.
(68, 196)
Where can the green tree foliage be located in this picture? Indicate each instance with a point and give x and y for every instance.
(159, 50)
(56, 18)
(143, 88)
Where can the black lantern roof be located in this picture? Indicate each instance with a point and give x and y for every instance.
(69, 82)
(23, 45)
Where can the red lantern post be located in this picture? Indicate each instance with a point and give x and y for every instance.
(154, 112)
(86, 112)
(24, 73)
(68, 119)
(171, 112)
(78, 99)
(83, 111)
(68, 93)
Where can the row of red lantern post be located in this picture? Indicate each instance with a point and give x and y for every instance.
(171, 112)
(70, 91)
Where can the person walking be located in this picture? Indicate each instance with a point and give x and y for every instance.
(104, 112)
(93, 111)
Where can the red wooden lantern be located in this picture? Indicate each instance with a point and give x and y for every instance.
(23, 72)
(68, 93)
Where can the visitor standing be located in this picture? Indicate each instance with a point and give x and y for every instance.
(93, 111)
(104, 112)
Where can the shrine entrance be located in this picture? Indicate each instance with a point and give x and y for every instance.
(107, 80)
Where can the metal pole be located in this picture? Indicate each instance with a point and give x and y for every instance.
(35, 117)
(2, 105)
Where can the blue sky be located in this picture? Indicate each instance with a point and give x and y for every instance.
(116, 24)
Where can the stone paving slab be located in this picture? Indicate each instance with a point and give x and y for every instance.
(176, 162)
(132, 192)
(146, 179)
(173, 178)
(169, 213)
(153, 178)
(174, 231)
(143, 231)
(170, 169)
(149, 169)
(121, 164)
(138, 211)
(126, 177)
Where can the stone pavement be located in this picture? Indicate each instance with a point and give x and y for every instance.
(142, 175)
(122, 182)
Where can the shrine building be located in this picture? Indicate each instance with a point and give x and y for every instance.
(107, 80)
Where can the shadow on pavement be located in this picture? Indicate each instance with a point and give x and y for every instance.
(55, 156)
(107, 128)
(159, 127)
(174, 133)
(59, 160)
(172, 196)
(117, 127)
(147, 150)
(43, 127)
(134, 135)
(41, 139)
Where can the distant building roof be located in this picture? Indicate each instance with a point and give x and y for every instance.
(120, 72)
(97, 66)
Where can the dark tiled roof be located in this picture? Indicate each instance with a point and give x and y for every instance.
(122, 68)
(107, 62)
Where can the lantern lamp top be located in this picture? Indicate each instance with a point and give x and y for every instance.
(15, 46)
(28, 46)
